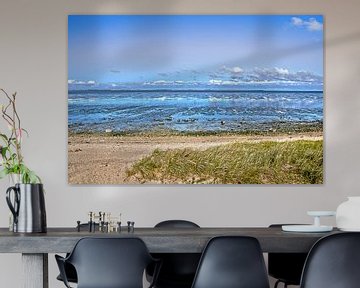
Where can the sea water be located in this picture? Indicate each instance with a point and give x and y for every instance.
(190, 111)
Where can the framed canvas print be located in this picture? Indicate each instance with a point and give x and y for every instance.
(195, 99)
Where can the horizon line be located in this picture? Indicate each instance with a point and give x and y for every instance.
(192, 90)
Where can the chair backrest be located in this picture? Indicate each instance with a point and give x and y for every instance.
(177, 269)
(176, 224)
(232, 262)
(110, 262)
(333, 262)
(286, 267)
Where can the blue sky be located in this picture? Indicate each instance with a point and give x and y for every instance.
(193, 50)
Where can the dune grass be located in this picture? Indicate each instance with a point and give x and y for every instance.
(268, 162)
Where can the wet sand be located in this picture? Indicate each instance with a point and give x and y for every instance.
(102, 159)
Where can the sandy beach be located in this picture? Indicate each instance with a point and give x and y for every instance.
(103, 159)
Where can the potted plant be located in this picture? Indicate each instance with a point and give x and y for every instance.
(11, 159)
(26, 197)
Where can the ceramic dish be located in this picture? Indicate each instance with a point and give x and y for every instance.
(306, 228)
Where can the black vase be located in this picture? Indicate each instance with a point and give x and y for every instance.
(28, 208)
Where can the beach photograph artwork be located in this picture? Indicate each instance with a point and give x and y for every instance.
(195, 99)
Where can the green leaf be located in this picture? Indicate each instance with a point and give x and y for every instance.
(28, 176)
(3, 151)
(4, 173)
(13, 156)
(15, 169)
(4, 137)
(33, 178)
(26, 132)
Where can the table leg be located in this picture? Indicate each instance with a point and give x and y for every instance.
(35, 270)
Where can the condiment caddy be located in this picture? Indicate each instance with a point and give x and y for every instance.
(104, 222)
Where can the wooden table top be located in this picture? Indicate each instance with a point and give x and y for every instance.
(158, 240)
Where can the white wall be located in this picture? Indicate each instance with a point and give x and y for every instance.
(33, 62)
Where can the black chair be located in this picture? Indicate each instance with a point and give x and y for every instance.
(69, 269)
(176, 224)
(333, 262)
(108, 263)
(178, 269)
(232, 262)
(286, 267)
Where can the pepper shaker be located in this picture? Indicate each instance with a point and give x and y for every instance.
(78, 226)
(90, 221)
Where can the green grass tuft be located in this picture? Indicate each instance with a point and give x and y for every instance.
(268, 162)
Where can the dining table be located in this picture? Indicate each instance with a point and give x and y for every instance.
(35, 247)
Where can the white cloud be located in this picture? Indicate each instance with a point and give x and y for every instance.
(310, 24)
(275, 75)
(166, 82)
(160, 82)
(282, 75)
(222, 82)
(77, 82)
(237, 70)
(215, 81)
(234, 75)
(314, 25)
(233, 70)
(296, 21)
(283, 71)
(230, 82)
